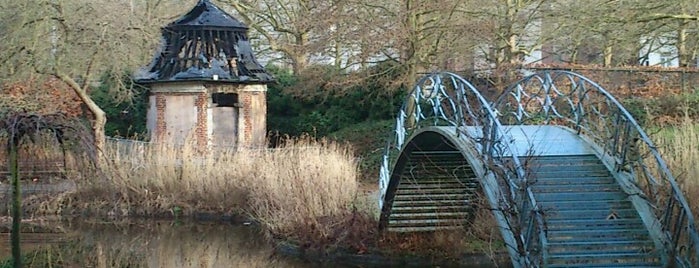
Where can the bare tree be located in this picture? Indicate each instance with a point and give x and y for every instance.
(292, 27)
(76, 41)
(678, 19)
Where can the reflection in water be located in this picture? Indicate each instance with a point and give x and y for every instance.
(157, 244)
(151, 244)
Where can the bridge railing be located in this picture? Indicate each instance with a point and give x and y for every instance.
(569, 99)
(445, 99)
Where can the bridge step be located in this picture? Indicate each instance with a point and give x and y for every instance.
(607, 246)
(442, 215)
(590, 220)
(615, 259)
(437, 184)
(432, 191)
(590, 204)
(442, 197)
(425, 223)
(424, 173)
(580, 196)
(553, 188)
(418, 229)
(564, 224)
(557, 159)
(570, 167)
(606, 265)
(563, 173)
(432, 203)
(595, 214)
(592, 234)
(572, 181)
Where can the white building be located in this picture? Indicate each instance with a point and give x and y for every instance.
(659, 51)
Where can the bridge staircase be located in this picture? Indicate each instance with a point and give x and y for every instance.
(590, 221)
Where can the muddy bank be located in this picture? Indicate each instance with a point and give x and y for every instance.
(376, 258)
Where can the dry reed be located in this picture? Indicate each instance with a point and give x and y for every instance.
(303, 184)
(679, 147)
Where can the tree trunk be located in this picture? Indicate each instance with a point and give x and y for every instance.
(97, 112)
(298, 64)
(608, 55)
(682, 52)
(16, 203)
(299, 56)
(512, 50)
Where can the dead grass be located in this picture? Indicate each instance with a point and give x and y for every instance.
(305, 191)
(679, 147)
(303, 185)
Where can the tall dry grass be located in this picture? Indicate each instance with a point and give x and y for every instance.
(304, 184)
(679, 147)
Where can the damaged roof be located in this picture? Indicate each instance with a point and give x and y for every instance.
(206, 44)
(207, 14)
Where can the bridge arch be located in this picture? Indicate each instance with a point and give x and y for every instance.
(449, 109)
(439, 155)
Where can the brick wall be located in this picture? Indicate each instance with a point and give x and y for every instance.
(244, 119)
(252, 118)
(201, 129)
(161, 124)
(251, 114)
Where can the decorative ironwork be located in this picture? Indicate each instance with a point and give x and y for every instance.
(445, 99)
(205, 44)
(569, 99)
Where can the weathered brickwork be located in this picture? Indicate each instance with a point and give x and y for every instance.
(245, 99)
(259, 119)
(161, 123)
(201, 129)
(252, 119)
(249, 116)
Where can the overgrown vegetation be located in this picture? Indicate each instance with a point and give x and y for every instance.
(325, 101)
(304, 185)
(679, 147)
(665, 110)
(125, 108)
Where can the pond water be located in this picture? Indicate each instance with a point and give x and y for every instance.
(145, 244)
(149, 243)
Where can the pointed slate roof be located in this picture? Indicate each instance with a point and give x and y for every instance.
(205, 14)
(206, 44)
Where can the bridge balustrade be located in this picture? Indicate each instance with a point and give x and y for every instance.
(569, 99)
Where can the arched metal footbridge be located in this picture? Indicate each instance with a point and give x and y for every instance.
(571, 178)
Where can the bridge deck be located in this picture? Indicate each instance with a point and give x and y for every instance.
(539, 140)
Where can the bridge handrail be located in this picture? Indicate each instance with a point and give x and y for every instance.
(623, 143)
(458, 112)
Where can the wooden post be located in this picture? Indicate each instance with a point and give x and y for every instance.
(16, 203)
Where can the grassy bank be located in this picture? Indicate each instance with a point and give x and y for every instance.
(302, 185)
(305, 191)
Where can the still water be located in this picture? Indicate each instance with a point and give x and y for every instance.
(148, 243)
(145, 244)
